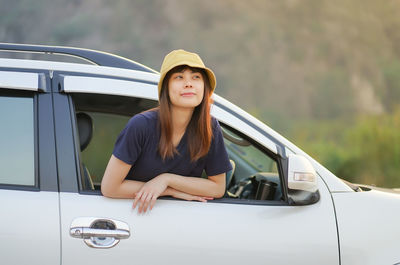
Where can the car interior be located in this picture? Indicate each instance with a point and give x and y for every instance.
(100, 118)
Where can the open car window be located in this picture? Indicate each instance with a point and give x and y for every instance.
(100, 119)
(256, 172)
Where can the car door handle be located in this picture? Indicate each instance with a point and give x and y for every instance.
(83, 232)
(99, 232)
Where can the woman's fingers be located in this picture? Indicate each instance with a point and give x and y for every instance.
(200, 199)
(145, 200)
(189, 197)
(153, 201)
(137, 198)
(148, 194)
(142, 202)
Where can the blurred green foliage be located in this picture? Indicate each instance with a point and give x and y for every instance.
(362, 150)
(391, 74)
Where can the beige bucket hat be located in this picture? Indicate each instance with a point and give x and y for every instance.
(182, 57)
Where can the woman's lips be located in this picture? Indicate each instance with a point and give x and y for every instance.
(188, 94)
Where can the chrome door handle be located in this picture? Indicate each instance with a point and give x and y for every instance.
(82, 232)
(99, 232)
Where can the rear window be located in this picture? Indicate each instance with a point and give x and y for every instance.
(17, 148)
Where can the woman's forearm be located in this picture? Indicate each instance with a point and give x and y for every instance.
(125, 190)
(128, 190)
(214, 186)
(114, 185)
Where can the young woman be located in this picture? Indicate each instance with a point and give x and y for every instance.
(163, 151)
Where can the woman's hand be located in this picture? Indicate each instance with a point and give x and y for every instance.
(146, 197)
(188, 197)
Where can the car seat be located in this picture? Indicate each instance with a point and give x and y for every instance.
(229, 174)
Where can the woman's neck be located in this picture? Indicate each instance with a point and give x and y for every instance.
(180, 119)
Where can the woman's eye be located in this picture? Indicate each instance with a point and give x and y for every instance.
(196, 76)
(178, 77)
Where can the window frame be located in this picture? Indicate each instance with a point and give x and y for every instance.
(64, 84)
(16, 93)
(280, 168)
(255, 144)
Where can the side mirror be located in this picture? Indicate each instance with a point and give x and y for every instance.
(302, 181)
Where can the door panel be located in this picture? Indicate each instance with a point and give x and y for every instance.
(30, 224)
(205, 233)
(29, 230)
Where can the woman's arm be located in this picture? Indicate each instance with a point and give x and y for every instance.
(213, 187)
(114, 185)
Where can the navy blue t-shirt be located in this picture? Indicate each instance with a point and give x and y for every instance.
(137, 145)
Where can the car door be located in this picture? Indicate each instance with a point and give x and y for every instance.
(29, 230)
(100, 230)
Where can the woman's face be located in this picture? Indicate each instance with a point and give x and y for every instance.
(186, 88)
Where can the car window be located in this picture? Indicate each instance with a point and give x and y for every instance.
(256, 175)
(108, 115)
(105, 116)
(17, 145)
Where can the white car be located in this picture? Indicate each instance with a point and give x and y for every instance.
(281, 206)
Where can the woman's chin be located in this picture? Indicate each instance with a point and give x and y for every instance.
(187, 104)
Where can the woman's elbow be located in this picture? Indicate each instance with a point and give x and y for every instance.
(107, 190)
(114, 175)
(220, 192)
(219, 186)
(219, 195)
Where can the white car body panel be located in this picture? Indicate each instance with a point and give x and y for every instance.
(243, 127)
(29, 230)
(80, 68)
(182, 232)
(18, 80)
(81, 84)
(366, 222)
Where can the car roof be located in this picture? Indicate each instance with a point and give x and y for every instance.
(78, 68)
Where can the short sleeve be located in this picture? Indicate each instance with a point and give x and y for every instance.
(217, 161)
(130, 141)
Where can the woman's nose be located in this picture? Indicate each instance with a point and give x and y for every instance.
(188, 83)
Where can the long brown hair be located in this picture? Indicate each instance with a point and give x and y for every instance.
(199, 131)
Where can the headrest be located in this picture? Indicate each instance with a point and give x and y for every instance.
(85, 129)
